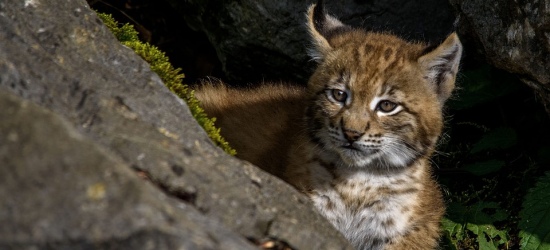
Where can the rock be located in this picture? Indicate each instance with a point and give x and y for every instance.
(62, 190)
(70, 166)
(513, 36)
(260, 39)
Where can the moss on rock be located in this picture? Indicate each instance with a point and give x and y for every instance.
(172, 77)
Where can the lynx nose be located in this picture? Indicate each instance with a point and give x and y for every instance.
(352, 135)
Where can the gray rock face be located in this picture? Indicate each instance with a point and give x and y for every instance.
(513, 35)
(259, 39)
(62, 190)
(83, 116)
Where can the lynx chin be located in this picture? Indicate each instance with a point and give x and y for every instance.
(358, 139)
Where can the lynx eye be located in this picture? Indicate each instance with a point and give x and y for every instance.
(386, 106)
(339, 95)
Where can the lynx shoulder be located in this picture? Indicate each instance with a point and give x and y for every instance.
(358, 139)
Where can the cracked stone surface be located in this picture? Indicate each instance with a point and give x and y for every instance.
(95, 151)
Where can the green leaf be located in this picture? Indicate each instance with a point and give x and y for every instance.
(478, 219)
(485, 213)
(535, 217)
(488, 236)
(484, 167)
(453, 232)
(499, 138)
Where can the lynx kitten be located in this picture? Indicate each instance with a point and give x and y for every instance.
(358, 139)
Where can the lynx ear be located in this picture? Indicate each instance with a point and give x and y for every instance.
(321, 27)
(440, 65)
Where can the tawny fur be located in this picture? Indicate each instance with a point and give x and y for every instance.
(365, 166)
(257, 122)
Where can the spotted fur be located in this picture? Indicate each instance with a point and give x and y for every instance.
(359, 138)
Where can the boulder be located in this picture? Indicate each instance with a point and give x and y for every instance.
(96, 152)
(267, 40)
(62, 190)
(511, 35)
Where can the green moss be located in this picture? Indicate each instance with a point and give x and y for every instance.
(171, 76)
(124, 33)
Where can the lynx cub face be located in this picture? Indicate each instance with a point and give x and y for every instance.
(378, 99)
(357, 141)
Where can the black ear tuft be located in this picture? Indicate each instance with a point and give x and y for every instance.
(319, 16)
(456, 22)
(326, 24)
(322, 27)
